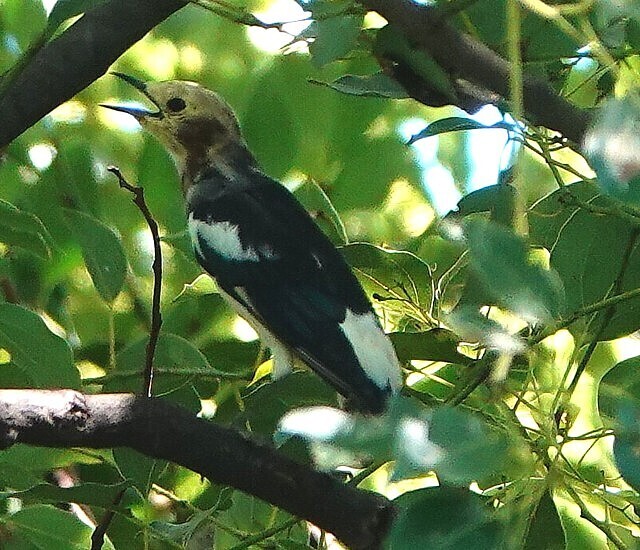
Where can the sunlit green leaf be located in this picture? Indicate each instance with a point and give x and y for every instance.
(48, 527)
(34, 349)
(398, 279)
(499, 257)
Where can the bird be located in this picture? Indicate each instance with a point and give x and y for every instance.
(272, 263)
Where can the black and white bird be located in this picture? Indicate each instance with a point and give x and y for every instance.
(273, 265)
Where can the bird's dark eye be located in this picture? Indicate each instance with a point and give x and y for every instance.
(176, 104)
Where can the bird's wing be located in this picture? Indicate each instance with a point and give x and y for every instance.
(267, 254)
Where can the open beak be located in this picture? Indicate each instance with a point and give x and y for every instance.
(137, 112)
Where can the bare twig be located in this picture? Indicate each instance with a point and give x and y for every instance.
(156, 315)
(97, 537)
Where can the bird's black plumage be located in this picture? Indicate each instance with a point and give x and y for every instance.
(272, 263)
(300, 287)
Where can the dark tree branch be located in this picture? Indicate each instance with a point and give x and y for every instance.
(465, 58)
(158, 429)
(79, 56)
(86, 50)
(156, 314)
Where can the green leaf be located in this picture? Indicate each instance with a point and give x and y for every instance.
(471, 449)
(23, 229)
(587, 251)
(335, 37)
(93, 494)
(34, 349)
(102, 252)
(47, 527)
(178, 362)
(545, 529)
(398, 279)
(372, 85)
(626, 446)
(456, 124)
(499, 258)
(620, 384)
(137, 469)
(443, 518)
(500, 200)
(437, 344)
(201, 285)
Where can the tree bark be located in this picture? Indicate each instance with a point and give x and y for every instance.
(156, 428)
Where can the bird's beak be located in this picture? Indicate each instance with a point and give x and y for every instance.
(137, 112)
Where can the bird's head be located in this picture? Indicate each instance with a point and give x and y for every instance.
(192, 122)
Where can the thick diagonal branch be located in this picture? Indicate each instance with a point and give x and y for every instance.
(158, 429)
(465, 57)
(79, 56)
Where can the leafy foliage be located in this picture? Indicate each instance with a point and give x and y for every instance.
(514, 315)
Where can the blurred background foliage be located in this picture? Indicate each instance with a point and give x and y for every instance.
(489, 252)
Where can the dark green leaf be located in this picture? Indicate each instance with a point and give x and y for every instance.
(23, 229)
(620, 384)
(177, 362)
(455, 124)
(372, 85)
(443, 518)
(587, 251)
(500, 200)
(545, 529)
(626, 447)
(335, 37)
(433, 345)
(137, 469)
(102, 252)
(93, 494)
(43, 356)
(391, 43)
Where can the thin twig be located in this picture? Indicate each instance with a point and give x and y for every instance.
(97, 537)
(156, 316)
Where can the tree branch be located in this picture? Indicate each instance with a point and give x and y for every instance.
(83, 53)
(159, 429)
(465, 58)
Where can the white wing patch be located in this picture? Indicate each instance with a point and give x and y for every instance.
(224, 238)
(373, 349)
